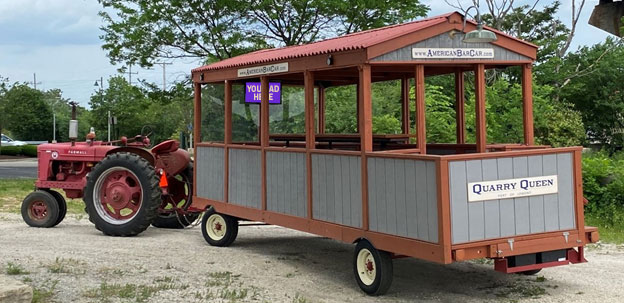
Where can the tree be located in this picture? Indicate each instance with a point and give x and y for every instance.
(3, 91)
(140, 31)
(27, 115)
(597, 92)
(61, 108)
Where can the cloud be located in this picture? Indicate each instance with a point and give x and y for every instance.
(49, 22)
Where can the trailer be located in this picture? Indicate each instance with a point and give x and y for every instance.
(392, 195)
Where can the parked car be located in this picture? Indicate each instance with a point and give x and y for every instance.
(7, 141)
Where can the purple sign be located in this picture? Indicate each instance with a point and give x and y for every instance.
(253, 92)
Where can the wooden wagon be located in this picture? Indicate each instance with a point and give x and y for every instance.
(394, 195)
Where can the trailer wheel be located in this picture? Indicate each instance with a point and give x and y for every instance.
(62, 204)
(530, 272)
(40, 209)
(122, 195)
(219, 229)
(372, 268)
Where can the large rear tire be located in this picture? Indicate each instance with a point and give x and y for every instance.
(180, 194)
(122, 195)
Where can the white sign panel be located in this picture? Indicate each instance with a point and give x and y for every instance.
(512, 188)
(263, 70)
(452, 53)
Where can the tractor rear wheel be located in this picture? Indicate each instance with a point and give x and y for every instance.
(40, 209)
(180, 196)
(62, 205)
(122, 195)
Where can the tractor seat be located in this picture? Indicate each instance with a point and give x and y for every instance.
(168, 146)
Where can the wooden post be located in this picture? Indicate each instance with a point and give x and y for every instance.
(480, 107)
(308, 82)
(357, 106)
(264, 133)
(421, 128)
(365, 112)
(527, 104)
(365, 128)
(405, 105)
(321, 109)
(228, 112)
(460, 115)
(227, 138)
(264, 112)
(197, 126)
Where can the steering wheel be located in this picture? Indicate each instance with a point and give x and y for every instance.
(147, 131)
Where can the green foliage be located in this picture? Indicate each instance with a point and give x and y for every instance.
(597, 90)
(138, 31)
(10, 150)
(27, 115)
(603, 186)
(29, 150)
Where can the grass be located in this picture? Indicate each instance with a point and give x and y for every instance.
(609, 232)
(13, 192)
(129, 291)
(65, 266)
(44, 294)
(13, 269)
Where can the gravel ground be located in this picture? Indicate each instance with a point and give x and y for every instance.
(75, 263)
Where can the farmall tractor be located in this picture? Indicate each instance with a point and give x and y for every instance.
(125, 185)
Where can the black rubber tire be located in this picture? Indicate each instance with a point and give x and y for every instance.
(151, 198)
(384, 270)
(62, 204)
(231, 229)
(529, 272)
(170, 220)
(52, 209)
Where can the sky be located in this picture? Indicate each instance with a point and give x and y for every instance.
(58, 40)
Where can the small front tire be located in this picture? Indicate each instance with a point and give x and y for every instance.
(218, 229)
(62, 204)
(40, 209)
(372, 268)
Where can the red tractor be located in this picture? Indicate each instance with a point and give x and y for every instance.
(125, 186)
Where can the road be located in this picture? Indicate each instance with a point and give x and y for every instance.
(21, 168)
(269, 264)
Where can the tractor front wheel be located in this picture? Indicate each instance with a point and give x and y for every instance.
(122, 195)
(40, 209)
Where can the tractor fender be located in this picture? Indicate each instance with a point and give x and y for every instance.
(143, 153)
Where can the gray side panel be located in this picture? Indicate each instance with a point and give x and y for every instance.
(473, 221)
(286, 183)
(210, 161)
(444, 41)
(566, 191)
(403, 198)
(337, 189)
(245, 177)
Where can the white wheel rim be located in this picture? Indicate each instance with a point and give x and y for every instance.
(366, 267)
(215, 227)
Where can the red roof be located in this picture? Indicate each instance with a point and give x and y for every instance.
(352, 41)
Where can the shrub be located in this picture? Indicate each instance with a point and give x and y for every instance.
(603, 186)
(10, 150)
(29, 150)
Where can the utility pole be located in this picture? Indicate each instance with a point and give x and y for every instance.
(34, 83)
(130, 73)
(163, 64)
(53, 128)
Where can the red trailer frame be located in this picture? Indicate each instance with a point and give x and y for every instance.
(545, 230)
